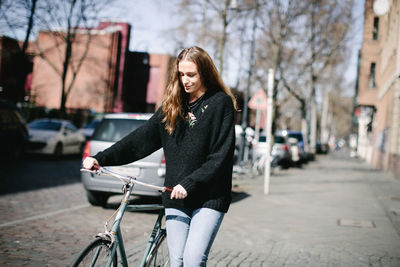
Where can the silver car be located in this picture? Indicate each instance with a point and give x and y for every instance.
(151, 169)
(281, 150)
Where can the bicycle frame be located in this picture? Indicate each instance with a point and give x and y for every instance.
(114, 235)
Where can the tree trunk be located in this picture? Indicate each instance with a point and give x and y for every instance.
(223, 37)
(30, 26)
(68, 52)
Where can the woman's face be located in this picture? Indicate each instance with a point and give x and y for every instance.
(190, 79)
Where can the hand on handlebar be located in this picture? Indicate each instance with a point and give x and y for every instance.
(90, 163)
(178, 192)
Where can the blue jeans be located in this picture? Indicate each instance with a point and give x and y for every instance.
(190, 234)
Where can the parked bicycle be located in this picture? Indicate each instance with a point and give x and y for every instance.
(102, 251)
(259, 164)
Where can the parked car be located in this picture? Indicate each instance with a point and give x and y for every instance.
(13, 131)
(299, 136)
(151, 169)
(281, 150)
(54, 136)
(322, 148)
(295, 151)
(89, 128)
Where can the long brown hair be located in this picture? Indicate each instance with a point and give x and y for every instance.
(174, 97)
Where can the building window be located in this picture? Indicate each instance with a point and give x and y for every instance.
(375, 32)
(371, 80)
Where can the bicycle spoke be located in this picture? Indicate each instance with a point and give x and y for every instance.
(97, 253)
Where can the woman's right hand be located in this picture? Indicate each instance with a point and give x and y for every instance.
(90, 163)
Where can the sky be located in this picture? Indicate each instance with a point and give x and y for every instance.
(150, 19)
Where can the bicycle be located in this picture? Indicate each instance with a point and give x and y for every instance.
(102, 251)
(259, 164)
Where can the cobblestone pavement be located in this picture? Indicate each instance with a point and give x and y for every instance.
(335, 211)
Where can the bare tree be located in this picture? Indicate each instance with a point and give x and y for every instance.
(17, 19)
(217, 21)
(67, 21)
(301, 40)
(305, 38)
(277, 48)
(18, 15)
(31, 16)
(329, 25)
(75, 18)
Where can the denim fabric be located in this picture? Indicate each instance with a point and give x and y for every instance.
(190, 234)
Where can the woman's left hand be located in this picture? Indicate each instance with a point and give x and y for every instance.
(178, 192)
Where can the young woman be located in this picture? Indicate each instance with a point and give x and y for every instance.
(195, 127)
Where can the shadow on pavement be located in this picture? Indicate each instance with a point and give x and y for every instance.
(32, 172)
(238, 196)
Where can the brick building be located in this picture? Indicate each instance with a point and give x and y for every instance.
(378, 97)
(110, 77)
(145, 81)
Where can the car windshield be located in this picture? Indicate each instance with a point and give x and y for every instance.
(262, 139)
(279, 139)
(92, 124)
(299, 137)
(45, 125)
(112, 130)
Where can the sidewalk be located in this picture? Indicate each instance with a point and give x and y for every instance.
(336, 211)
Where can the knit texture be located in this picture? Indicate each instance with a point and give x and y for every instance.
(198, 154)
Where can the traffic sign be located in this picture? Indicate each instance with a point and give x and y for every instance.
(258, 100)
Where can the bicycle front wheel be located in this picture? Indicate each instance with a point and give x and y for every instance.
(159, 255)
(97, 253)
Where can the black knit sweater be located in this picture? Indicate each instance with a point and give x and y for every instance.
(198, 154)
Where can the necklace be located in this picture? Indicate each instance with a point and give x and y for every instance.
(194, 104)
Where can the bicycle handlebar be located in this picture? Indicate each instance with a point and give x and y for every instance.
(126, 179)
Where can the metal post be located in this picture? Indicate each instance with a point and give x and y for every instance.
(268, 126)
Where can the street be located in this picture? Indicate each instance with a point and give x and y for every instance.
(335, 211)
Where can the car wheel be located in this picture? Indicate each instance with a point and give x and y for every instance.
(96, 198)
(58, 151)
(285, 164)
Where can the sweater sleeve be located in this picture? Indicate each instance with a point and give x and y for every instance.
(220, 159)
(138, 144)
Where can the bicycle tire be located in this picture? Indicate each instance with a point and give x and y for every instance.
(159, 255)
(87, 255)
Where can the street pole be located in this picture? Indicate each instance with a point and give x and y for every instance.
(247, 92)
(268, 126)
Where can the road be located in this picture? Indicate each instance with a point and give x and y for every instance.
(46, 219)
(335, 211)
